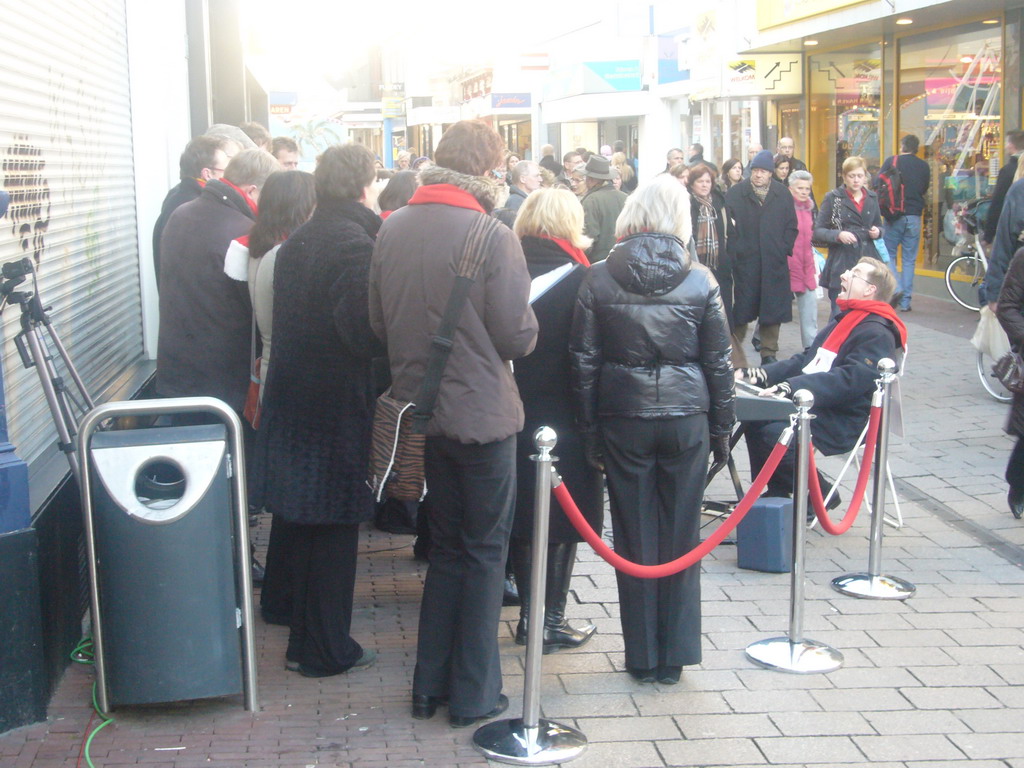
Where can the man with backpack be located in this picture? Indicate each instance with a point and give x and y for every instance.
(901, 185)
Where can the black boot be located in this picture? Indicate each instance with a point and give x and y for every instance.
(557, 632)
(519, 557)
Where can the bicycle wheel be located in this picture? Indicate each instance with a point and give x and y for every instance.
(963, 279)
(991, 384)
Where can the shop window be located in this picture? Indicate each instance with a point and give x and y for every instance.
(845, 104)
(949, 97)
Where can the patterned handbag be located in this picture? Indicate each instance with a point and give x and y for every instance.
(1009, 369)
(399, 427)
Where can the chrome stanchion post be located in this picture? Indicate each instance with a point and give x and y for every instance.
(795, 653)
(873, 584)
(532, 740)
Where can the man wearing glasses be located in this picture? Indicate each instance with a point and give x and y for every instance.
(204, 158)
(839, 369)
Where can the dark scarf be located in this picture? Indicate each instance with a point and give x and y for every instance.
(706, 241)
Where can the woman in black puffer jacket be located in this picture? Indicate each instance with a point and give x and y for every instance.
(650, 365)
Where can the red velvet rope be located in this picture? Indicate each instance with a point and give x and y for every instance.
(837, 529)
(690, 558)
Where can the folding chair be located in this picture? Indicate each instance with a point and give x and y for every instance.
(853, 457)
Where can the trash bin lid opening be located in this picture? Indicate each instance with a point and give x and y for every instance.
(160, 483)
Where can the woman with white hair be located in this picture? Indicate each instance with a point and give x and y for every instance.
(650, 350)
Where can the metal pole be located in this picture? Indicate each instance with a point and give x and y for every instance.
(538, 580)
(794, 653)
(57, 402)
(804, 400)
(874, 584)
(531, 740)
(90, 423)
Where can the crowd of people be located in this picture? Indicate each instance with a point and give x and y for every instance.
(299, 298)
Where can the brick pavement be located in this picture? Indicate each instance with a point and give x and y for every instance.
(937, 681)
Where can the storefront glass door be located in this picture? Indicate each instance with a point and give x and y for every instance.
(949, 97)
(844, 114)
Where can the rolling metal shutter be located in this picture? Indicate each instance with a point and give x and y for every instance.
(66, 144)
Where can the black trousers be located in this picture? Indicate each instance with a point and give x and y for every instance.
(472, 496)
(761, 437)
(1015, 467)
(276, 593)
(322, 559)
(656, 471)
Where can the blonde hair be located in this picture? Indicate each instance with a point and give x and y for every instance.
(881, 277)
(852, 163)
(661, 205)
(251, 166)
(619, 161)
(552, 212)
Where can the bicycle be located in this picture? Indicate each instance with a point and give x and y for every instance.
(966, 272)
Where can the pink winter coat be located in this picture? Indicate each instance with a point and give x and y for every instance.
(801, 261)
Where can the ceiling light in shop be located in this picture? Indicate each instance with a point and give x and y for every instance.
(810, 42)
(990, 21)
(966, 59)
(904, 22)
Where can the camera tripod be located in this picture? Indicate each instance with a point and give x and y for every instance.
(33, 344)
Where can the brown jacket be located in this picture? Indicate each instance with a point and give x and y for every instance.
(411, 278)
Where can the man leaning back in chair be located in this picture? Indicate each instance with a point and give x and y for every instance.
(839, 369)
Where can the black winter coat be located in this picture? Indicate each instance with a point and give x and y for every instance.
(314, 437)
(760, 243)
(187, 190)
(1011, 316)
(205, 316)
(842, 395)
(841, 256)
(723, 272)
(650, 339)
(545, 386)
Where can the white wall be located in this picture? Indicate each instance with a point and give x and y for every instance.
(158, 69)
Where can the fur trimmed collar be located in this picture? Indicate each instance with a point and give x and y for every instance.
(483, 189)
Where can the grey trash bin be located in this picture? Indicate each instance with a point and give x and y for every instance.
(173, 620)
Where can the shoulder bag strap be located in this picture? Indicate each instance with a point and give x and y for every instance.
(476, 248)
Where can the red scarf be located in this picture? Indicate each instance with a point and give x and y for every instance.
(856, 310)
(576, 254)
(445, 194)
(249, 200)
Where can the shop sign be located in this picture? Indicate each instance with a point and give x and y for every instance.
(603, 76)
(673, 65)
(763, 75)
(773, 13)
(392, 106)
(593, 77)
(517, 101)
(280, 109)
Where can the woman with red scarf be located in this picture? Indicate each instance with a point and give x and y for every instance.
(469, 457)
(839, 369)
(550, 225)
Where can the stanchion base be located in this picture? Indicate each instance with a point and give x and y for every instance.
(807, 657)
(510, 741)
(865, 585)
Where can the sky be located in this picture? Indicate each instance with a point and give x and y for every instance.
(319, 36)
